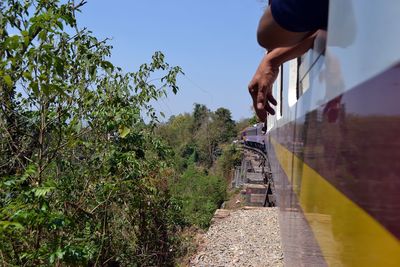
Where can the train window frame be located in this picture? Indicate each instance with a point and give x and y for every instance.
(281, 92)
(277, 93)
(292, 82)
(298, 92)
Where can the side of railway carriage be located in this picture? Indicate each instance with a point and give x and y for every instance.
(253, 136)
(334, 143)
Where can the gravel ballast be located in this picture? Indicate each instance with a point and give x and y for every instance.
(246, 237)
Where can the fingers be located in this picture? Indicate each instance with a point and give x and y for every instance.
(262, 97)
(253, 90)
(272, 99)
(259, 105)
(269, 109)
(261, 114)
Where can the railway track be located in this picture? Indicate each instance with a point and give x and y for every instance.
(250, 235)
(257, 177)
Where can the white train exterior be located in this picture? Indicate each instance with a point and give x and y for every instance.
(334, 143)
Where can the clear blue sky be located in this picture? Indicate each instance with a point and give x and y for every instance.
(214, 41)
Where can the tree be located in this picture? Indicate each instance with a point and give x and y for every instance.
(177, 132)
(217, 128)
(82, 177)
(200, 116)
(224, 125)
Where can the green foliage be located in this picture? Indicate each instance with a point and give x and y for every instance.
(198, 135)
(176, 132)
(200, 116)
(198, 140)
(224, 125)
(253, 120)
(200, 194)
(231, 157)
(83, 179)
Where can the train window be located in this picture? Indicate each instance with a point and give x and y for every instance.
(292, 90)
(304, 78)
(276, 92)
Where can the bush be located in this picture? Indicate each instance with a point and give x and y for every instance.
(231, 157)
(200, 194)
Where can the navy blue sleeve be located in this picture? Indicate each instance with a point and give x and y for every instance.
(300, 15)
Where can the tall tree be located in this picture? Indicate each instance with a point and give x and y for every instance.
(224, 125)
(200, 116)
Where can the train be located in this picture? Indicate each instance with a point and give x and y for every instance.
(253, 136)
(334, 142)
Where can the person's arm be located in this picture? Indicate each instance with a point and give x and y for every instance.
(260, 86)
(268, 27)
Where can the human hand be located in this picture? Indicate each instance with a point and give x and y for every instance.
(260, 89)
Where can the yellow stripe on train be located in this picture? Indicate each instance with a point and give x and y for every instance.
(346, 234)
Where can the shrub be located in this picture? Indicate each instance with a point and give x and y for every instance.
(200, 194)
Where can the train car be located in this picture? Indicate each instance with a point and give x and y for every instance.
(334, 143)
(253, 136)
